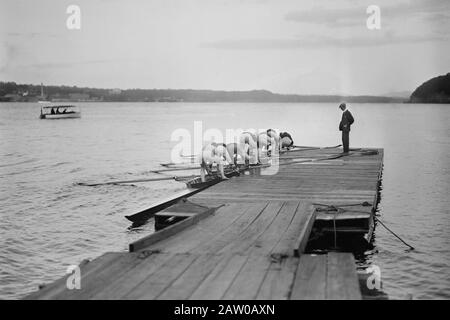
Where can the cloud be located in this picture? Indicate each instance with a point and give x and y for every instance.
(329, 17)
(30, 35)
(65, 64)
(317, 41)
(16, 67)
(420, 6)
(407, 22)
(354, 15)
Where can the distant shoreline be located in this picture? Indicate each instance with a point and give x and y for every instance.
(205, 102)
(12, 92)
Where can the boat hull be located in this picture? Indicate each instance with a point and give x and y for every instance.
(61, 116)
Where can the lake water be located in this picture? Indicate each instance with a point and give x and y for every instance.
(49, 222)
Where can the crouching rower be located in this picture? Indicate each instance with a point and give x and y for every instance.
(274, 136)
(286, 140)
(235, 151)
(269, 140)
(213, 153)
(249, 141)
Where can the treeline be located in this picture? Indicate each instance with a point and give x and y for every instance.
(10, 91)
(435, 90)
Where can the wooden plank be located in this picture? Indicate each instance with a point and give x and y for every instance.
(344, 216)
(55, 288)
(286, 197)
(214, 286)
(278, 280)
(266, 242)
(146, 214)
(287, 193)
(175, 214)
(95, 282)
(169, 231)
(184, 286)
(342, 279)
(247, 282)
(246, 237)
(346, 230)
(162, 278)
(305, 227)
(300, 221)
(121, 285)
(230, 234)
(311, 278)
(252, 275)
(204, 232)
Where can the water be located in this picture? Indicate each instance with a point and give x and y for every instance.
(49, 222)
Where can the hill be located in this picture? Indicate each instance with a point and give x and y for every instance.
(435, 90)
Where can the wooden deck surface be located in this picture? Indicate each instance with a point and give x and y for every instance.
(346, 180)
(248, 245)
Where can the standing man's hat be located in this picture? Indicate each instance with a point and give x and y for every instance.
(342, 105)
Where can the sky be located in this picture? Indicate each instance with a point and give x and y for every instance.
(285, 46)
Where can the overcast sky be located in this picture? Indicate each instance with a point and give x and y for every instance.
(306, 47)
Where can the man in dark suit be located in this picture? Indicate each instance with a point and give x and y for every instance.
(346, 121)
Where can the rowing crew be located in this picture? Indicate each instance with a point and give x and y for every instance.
(221, 153)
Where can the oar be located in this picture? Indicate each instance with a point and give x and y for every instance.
(305, 148)
(136, 180)
(317, 148)
(167, 169)
(331, 147)
(171, 164)
(175, 169)
(311, 160)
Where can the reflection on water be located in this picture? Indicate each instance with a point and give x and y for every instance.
(49, 222)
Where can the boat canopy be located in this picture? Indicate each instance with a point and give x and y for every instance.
(59, 106)
(60, 109)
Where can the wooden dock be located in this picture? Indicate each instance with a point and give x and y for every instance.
(245, 238)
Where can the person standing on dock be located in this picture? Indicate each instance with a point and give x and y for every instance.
(344, 126)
